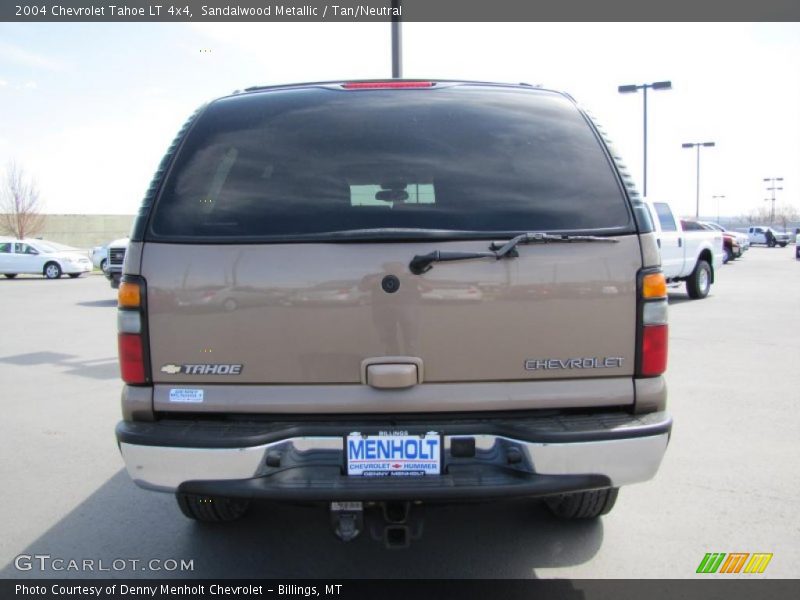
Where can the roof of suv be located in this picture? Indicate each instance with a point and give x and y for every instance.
(364, 84)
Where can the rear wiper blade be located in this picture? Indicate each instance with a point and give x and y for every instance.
(422, 263)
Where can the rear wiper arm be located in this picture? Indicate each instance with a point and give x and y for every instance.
(422, 263)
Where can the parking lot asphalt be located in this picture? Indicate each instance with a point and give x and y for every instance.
(727, 484)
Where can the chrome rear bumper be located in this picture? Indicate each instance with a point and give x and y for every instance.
(312, 466)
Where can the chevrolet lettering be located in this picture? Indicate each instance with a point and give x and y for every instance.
(611, 362)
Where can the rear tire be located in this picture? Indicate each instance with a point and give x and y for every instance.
(727, 256)
(583, 505)
(212, 509)
(699, 283)
(10, 275)
(782, 244)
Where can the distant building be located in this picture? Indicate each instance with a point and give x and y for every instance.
(85, 231)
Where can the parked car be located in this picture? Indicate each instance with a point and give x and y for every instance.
(742, 238)
(379, 381)
(758, 235)
(731, 247)
(730, 243)
(797, 244)
(99, 257)
(50, 259)
(116, 257)
(686, 256)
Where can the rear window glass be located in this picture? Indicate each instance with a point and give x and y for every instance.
(314, 161)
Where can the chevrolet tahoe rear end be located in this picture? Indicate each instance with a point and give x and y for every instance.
(392, 291)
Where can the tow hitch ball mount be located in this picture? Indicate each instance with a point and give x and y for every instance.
(347, 519)
(395, 528)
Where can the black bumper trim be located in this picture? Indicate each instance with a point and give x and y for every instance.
(327, 484)
(572, 428)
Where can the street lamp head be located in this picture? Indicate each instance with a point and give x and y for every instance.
(662, 85)
(627, 89)
(688, 145)
(709, 144)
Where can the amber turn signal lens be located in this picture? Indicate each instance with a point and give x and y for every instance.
(129, 295)
(654, 285)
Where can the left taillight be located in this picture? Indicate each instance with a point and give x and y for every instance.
(653, 328)
(130, 331)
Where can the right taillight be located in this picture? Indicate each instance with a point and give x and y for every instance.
(653, 328)
(130, 329)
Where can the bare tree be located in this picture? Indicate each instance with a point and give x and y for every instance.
(785, 214)
(759, 216)
(20, 205)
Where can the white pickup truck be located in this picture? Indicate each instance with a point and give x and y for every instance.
(690, 256)
(758, 235)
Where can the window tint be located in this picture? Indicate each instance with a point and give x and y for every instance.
(24, 249)
(665, 217)
(5, 248)
(296, 162)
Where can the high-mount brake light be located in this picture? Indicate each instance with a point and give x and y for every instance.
(383, 85)
(654, 331)
(132, 363)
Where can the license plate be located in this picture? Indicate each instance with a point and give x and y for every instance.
(393, 455)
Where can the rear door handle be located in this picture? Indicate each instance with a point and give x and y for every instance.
(680, 242)
(392, 376)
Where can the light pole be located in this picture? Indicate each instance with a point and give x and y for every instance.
(772, 189)
(718, 198)
(628, 89)
(397, 44)
(697, 145)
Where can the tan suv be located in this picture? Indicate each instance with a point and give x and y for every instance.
(392, 291)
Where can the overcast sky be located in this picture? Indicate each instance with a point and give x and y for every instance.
(89, 109)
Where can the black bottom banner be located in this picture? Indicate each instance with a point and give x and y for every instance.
(461, 589)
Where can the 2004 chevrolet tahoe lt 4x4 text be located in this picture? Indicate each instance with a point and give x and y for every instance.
(392, 291)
